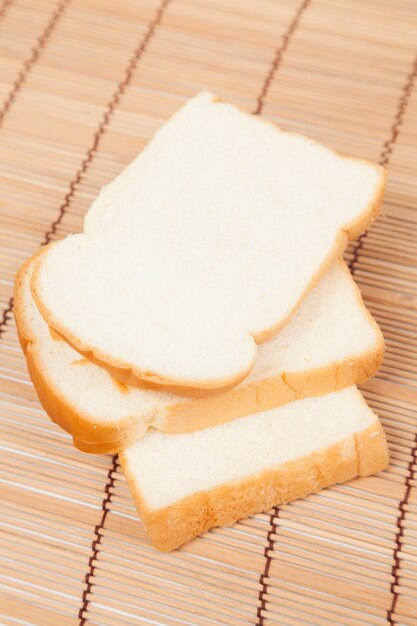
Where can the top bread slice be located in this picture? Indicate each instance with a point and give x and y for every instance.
(331, 342)
(203, 247)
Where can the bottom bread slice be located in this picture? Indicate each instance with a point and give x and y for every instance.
(185, 484)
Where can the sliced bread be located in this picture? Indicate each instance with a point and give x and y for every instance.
(331, 342)
(185, 484)
(203, 247)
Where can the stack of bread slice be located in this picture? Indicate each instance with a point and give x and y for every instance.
(204, 325)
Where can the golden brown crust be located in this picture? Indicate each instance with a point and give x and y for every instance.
(105, 447)
(264, 395)
(361, 455)
(23, 331)
(151, 380)
(97, 437)
(70, 419)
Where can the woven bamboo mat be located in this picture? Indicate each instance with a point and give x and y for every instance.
(83, 85)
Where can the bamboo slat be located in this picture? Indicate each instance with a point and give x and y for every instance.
(83, 85)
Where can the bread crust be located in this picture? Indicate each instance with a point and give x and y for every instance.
(98, 437)
(135, 376)
(364, 453)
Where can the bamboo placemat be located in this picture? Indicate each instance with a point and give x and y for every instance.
(83, 85)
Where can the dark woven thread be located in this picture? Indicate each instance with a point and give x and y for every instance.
(270, 543)
(90, 154)
(17, 85)
(101, 128)
(6, 316)
(96, 542)
(400, 533)
(260, 102)
(399, 118)
(276, 62)
(389, 144)
(384, 160)
(34, 56)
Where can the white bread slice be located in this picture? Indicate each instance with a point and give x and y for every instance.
(185, 484)
(203, 247)
(331, 342)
